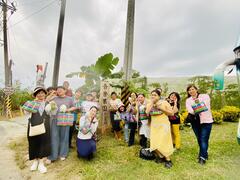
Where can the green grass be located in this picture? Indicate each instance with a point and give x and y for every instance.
(114, 160)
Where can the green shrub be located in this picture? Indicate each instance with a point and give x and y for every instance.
(1, 101)
(217, 117)
(230, 113)
(19, 98)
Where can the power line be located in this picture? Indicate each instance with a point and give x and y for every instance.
(29, 16)
(18, 49)
(32, 2)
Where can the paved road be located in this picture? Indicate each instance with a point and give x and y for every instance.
(10, 130)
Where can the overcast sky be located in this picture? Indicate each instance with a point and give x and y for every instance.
(172, 37)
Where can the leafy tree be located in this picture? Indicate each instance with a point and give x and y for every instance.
(183, 96)
(204, 83)
(94, 73)
(231, 94)
(105, 65)
(155, 85)
(217, 100)
(164, 89)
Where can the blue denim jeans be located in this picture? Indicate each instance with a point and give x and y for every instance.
(126, 136)
(59, 141)
(202, 132)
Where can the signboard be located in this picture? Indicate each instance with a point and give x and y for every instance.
(103, 100)
(8, 90)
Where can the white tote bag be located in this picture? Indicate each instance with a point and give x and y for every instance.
(37, 130)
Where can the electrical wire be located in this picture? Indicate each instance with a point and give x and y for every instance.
(31, 3)
(18, 49)
(36, 12)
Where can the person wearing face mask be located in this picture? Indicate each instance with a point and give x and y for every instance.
(86, 143)
(160, 130)
(200, 116)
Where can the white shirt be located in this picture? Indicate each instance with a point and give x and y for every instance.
(91, 127)
(115, 103)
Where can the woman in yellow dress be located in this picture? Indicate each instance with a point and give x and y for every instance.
(160, 129)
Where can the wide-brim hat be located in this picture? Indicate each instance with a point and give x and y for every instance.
(120, 105)
(38, 89)
(89, 94)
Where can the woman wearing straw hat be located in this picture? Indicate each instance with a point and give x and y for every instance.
(39, 145)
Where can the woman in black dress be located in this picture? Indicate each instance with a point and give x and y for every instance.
(39, 145)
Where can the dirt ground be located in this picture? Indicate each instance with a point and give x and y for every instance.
(10, 130)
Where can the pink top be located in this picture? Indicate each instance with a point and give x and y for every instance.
(205, 117)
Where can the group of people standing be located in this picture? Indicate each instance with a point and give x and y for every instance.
(54, 115)
(156, 120)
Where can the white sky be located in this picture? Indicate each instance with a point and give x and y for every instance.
(172, 38)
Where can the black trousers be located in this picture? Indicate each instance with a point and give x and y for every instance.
(132, 126)
(143, 141)
(71, 133)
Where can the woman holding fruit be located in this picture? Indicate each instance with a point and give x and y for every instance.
(61, 125)
(39, 143)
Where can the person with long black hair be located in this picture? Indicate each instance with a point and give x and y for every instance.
(174, 101)
(132, 110)
(160, 130)
(199, 109)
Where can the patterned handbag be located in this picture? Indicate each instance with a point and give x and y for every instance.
(199, 107)
(31, 106)
(117, 116)
(65, 119)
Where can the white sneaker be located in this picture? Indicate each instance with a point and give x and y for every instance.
(41, 168)
(34, 165)
(48, 161)
(62, 158)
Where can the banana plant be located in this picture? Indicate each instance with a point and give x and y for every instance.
(94, 73)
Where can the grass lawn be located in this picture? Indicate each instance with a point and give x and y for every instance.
(114, 160)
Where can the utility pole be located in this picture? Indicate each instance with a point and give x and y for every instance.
(7, 66)
(128, 51)
(8, 90)
(5, 43)
(59, 45)
(10, 73)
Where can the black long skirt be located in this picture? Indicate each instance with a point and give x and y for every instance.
(39, 146)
